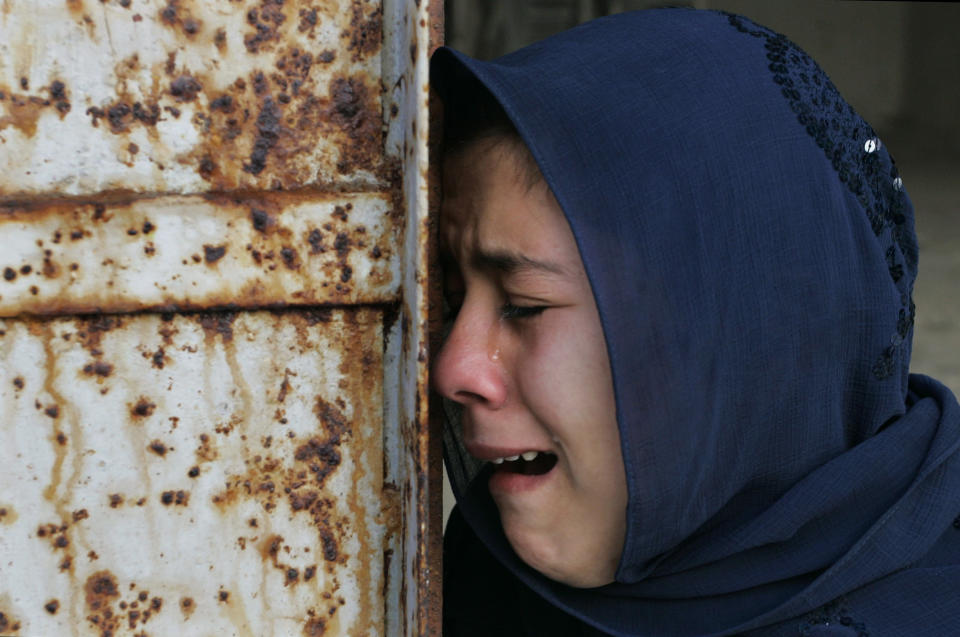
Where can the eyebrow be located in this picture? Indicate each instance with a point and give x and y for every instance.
(512, 262)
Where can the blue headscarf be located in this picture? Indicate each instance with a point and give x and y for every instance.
(752, 254)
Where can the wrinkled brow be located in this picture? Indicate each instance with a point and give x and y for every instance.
(508, 262)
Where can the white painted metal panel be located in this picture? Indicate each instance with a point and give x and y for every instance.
(186, 156)
(212, 474)
(154, 96)
(199, 252)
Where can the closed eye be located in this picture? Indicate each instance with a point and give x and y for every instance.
(511, 311)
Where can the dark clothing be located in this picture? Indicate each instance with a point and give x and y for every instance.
(481, 598)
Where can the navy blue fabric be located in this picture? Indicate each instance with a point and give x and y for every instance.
(752, 253)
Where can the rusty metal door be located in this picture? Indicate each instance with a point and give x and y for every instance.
(213, 225)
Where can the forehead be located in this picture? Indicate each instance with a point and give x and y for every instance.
(488, 205)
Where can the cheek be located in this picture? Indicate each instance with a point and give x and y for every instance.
(563, 373)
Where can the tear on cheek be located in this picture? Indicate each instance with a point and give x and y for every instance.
(543, 463)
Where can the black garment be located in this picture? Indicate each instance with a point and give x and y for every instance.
(481, 598)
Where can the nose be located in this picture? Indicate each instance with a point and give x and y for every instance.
(464, 370)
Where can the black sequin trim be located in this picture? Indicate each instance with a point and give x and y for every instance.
(857, 155)
(831, 614)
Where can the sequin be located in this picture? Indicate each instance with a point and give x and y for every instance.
(854, 151)
(835, 612)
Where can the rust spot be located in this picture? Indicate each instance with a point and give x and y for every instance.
(290, 258)
(314, 316)
(223, 103)
(52, 411)
(218, 323)
(342, 244)
(169, 13)
(308, 20)
(330, 552)
(8, 624)
(212, 254)
(194, 471)
(26, 269)
(268, 133)
(115, 500)
(9, 274)
(205, 452)
(293, 576)
(327, 56)
(178, 498)
(80, 514)
(187, 607)
(7, 515)
(100, 588)
(309, 572)
(157, 358)
(91, 330)
(207, 167)
(302, 500)
(18, 382)
(191, 26)
(185, 88)
(354, 112)
(58, 94)
(261, 219)
(315, 239)
(266, 22)
(143, 408)
(224, 596)
(50, 269)
(365, 33)
(61, 438)
(98, 368)
(158, 448)
(315, 627)
(52, 606)
(260, 85)
(220, 40)
(270, 548)
(22, 113)
(322, 455)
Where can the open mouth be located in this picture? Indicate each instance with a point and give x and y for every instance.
(531, 463)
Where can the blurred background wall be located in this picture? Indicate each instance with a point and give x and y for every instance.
(897, 63)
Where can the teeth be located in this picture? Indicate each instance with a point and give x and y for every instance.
(527, 455)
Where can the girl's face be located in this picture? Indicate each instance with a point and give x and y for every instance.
(526, 359)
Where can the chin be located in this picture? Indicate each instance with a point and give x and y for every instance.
(547, 554)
